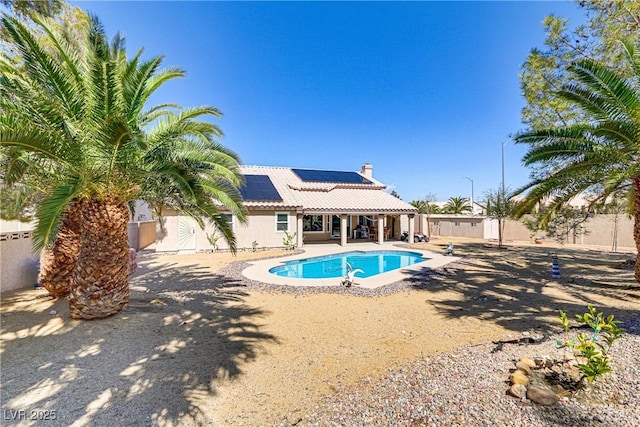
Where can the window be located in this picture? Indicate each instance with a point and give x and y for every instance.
(228, 218)
(436, 223)
(457, 224)
(282, 221)
(312, 223)
(474, 224)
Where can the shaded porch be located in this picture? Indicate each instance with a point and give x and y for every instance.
(352, 227)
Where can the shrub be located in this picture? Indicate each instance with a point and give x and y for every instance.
(592, 352)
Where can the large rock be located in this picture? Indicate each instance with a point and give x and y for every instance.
(542, 396)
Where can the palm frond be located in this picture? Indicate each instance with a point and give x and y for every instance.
(50, 212)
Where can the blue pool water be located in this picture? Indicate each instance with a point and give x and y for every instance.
(324, 267)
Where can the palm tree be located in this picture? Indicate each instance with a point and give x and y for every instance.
(80, 112)
(432, 208)
(600, 155)
(213, 169)
(457, 205)
(420, 205)
(28, 180)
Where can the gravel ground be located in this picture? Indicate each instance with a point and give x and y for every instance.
(468, 388)
(234, 270)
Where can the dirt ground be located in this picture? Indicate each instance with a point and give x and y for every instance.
(194, 348)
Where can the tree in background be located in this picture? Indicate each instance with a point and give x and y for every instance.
(419, 205)
(427, 207)
(395, 194)
(499, 207)
(617, 204)
(457, 205)
(45, 8)
(567, 222)
(82, 116)
(599, 155)
(544, 72)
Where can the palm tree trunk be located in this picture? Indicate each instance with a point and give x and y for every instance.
(58, 262)
(101, 278)
(636, 225)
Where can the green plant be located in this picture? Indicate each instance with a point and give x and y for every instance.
(592, 353)
(254, 245)
(289, 240)
(213, 239)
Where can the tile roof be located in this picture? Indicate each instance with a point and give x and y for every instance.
(325, 196)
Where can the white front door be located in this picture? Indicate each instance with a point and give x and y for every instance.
(186, 233)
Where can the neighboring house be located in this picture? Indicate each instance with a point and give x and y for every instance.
(316, 205)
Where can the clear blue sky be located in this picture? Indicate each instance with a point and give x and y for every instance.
(427, 92)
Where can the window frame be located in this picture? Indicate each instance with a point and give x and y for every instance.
(277, 222)
(230, 221)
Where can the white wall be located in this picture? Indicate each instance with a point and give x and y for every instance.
(18, 264)
(261, 227)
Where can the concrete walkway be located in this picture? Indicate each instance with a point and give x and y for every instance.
(259, 270)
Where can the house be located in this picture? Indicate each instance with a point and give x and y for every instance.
(310, 205)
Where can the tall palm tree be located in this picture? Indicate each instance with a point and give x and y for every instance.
(457, 205)
(420, 205)
(82, 113)
(601, 155)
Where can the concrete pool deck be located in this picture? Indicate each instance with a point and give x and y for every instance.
(259, 270)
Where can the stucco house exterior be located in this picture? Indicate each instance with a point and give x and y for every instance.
(315, 205)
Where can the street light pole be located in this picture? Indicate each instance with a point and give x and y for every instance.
(503, 167)
(473, 209)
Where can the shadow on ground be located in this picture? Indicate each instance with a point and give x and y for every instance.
(513, 286)
(162, 355)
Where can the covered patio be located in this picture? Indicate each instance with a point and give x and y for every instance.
(354, 226)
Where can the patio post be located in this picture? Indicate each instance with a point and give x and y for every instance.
(380, 227)
(343, 229)
(411, 228)
(299, 231)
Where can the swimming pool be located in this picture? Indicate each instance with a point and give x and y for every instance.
(329, 266)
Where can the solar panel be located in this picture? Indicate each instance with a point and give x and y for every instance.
(314, 175)
(259, 187)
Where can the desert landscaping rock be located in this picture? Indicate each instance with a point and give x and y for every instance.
(541, 396)
(518, 390)
(527, 361)
(519, 377)
(524, 367)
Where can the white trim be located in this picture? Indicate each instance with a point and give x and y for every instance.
(233, 222)
(279, 222)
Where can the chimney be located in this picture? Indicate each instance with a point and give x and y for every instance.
(367, 170)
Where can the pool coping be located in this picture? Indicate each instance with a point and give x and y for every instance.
(259, 270)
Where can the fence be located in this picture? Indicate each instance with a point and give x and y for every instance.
(19, 265)
(601, 230)
(142, 234)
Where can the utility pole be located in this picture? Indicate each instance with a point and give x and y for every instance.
(473, 209)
